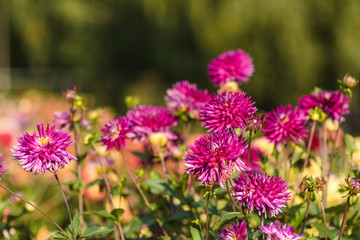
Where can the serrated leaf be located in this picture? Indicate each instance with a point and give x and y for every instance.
(227, 216)
(101, 213)
(95, 182)
(195, 233)
(93, 231)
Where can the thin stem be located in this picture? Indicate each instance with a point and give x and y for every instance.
(336, 136)
(344, 218)
(34, 206)
(147, 203)
(306, 214)
(66, 204)
(325, 166)
(312, 131)
(262, 224)
(111, 201)
(163, 165)
(207, 216)
(231, 200)
(323, 212)
(248, 162)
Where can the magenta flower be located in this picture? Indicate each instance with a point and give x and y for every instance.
(43, 153)
(226, 111)
(329, 101)
(115, 133)
(235, 65)
(62, 120)
(185, 98)
(255, 159)
(2, 170)
(284, 123)
(275, 232)
(264, 193)
(146, 120)
(214, 157)
(237, 233)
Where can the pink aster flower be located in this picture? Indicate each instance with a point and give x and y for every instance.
(235, 65)
(274, 231)
(115, 133)
(284, 123)
(146, 120)
(2, 170)
(329, 101)
(237, 233)
(226, 111)
(62, 120)
(44, 152)
(186, 98)
(214, 157)
(266, 194)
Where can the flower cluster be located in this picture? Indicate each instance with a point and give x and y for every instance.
(45, 152)
(333, 103)
(226, 111)
(214, 157)
(115, 133)
(237, 232)
(235, 65)
(185, 98)
(275, 232)
(146, 120)
(264, 193)
(284, 123)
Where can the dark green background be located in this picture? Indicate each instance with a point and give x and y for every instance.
(114, 48)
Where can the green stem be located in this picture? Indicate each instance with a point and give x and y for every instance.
(248, 162)
(306, 214)
(344, 218)
(323, 213)
(111, 201)
(207, 216)
(147, 203)
(34, 206)
(231, 200)
(66, 204)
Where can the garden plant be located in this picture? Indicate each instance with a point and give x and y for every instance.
(203, 166)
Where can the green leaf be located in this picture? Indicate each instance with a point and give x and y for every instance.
(133, 226)
(296, 157)
(183, 182)
(117, 213)
(93, 231)
(77, 225)
(58, 235)
(255, 235)
(195, 233)
(331, 234)
(226, 216)
(297, 214)
(180, 215)
(101, 213)
(350, 143)
(158, 186)
(81, 157)
(95, 182)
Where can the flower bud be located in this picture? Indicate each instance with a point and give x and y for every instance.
(158, 138)
(229, 87)
(354, 186)
(255, 122)
(317, 114)
(349, 81)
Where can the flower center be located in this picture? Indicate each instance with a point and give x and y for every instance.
(44, 140)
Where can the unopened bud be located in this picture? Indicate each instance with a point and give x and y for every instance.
(317, 114)
(350, 81)
(230, 86)
(158, 138)
(354, 186)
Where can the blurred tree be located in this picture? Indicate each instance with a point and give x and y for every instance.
(114, 48)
